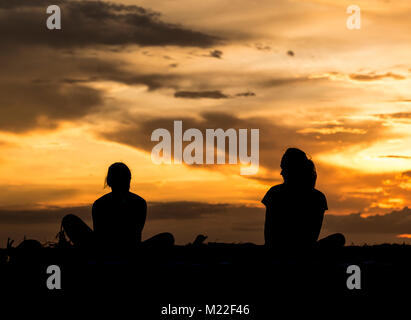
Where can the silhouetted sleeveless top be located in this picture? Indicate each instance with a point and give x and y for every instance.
(118, 220)
(294, 215)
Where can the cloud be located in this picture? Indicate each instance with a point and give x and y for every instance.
(276, 82)
(397, 115)
(43, 92)
(373, 76)
(244, 221)
(27, 106)
(346, 131)
(85, 70)
(4, 4)
(179, 210)
(395, 157)
(333, 130)
(216, 94)
(392, 223)
(135, 131)
(395, 222)
(200, 94)
(347, 191)
(15, 197)
(216, 54)
(46, 215)
(184, 210)
(93, 23)
(246, 94)
(407, 174)
(57, 84)
(262, 47)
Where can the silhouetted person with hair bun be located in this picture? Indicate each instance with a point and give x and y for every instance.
(118, 217)
(295, 209)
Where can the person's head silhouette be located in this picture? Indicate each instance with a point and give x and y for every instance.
(118, 177)
(297, 169)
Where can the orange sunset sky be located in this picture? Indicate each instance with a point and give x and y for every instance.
(75, 100)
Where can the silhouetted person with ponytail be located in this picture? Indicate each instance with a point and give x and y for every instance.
(295, 209)
(118, 217)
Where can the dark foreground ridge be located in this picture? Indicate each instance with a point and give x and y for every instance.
(147, 280)
(217, 268)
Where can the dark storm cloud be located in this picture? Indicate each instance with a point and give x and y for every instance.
(92, 23)
(373, 76)
(200, 94)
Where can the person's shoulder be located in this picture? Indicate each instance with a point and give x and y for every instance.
(272, 193)
(103, 199)
(101, 203)
(136, 198)
(276, 189)
(318, 193)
